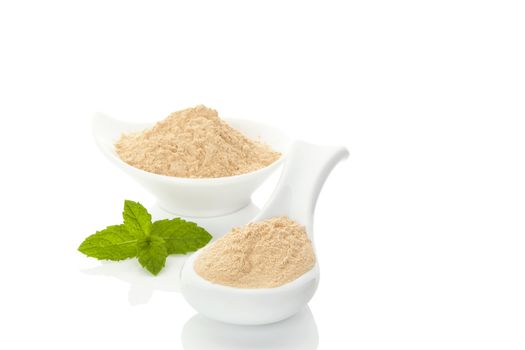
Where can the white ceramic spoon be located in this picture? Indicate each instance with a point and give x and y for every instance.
(304, 173)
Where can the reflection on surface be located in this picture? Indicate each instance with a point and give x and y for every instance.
(299, 332)
(143, 284)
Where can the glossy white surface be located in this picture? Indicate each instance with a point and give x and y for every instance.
(298, 332)
(420, 234)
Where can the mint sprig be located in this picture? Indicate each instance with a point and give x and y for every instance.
(150, 242)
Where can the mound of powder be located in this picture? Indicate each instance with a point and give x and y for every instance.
(263, 254)
(195, 143)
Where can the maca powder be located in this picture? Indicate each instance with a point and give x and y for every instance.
(194, 143)
(263, 254)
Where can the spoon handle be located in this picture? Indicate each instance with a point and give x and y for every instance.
(305, 170)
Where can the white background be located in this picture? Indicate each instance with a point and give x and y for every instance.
(420, 234)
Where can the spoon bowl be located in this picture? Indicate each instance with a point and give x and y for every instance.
(304, 173)
(253, 306)
(193, 197)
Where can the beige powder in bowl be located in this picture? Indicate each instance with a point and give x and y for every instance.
(194, 143)
(263, 254)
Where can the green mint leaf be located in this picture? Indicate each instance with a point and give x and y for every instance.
(152, 253)
(112, 243)
(181, 236)
(137, 219)
(150, 242)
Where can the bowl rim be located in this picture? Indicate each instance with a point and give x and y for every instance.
(198, 180)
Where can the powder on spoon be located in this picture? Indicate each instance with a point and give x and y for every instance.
(263, 254)
(194, 143)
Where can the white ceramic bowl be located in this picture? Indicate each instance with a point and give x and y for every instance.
(201, 197)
